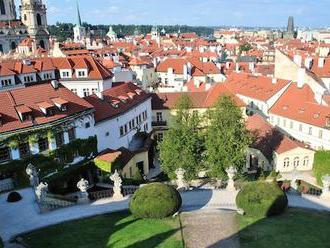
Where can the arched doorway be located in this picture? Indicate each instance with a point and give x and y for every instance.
(13, 45)
(39, 19)
(42, 44)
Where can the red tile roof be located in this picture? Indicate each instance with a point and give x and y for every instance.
(257, 87)
(205, 99)
(268, 139)
(299, 104)
(26, 100)
(105, 109)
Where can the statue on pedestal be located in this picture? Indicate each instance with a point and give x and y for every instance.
(33, 175)
(83, 185)
(231, 172)
(180, 181)
(117, 182)
(41, 191)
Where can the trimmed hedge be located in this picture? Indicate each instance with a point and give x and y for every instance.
(14, 197)
(261, 199)
(155, 200)
(321, 165)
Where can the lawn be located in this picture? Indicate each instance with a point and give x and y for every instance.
(295, 228)
(113, 230)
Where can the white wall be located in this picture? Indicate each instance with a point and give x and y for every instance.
(108, 131)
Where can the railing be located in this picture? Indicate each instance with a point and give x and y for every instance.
(53, 202)
(6, 185)
(93, 196)
(129, 190)
(159, 123)
(312, 191)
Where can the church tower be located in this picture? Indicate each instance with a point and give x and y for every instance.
(79, 32)
(33, 15)
(7, 10)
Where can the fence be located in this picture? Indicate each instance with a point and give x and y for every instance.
(93, 196)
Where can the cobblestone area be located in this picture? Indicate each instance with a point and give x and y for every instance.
(210, 229)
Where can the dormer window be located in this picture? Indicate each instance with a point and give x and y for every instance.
(138, 91)
(47, 108)
(115, 103)
(81, 74)
(131, 95)
(316, 115)
(60, 103)
(24, 112)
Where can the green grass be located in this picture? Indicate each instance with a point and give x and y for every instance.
(113, 230)
(321, 165)
(294, 228)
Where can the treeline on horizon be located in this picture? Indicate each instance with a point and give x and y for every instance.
(63, 31)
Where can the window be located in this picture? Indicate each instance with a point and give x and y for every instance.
(130, 125)
(278, 120)
(286, 162)
(4, 154)
(72, 134)
(137, 120)
(284, 122)
(310, 130)
(306, 161)
(87, 125)
(291, 124)
(74, 91)
(296, 162)
(94, 91)
(125, 128)
(6, 82)
(320, 134)
(133, 123)
(300, 127)
(121, 131)
(107, 134)
(140, 118)
(159, 116)
(59, 139)
(24, 150)
(43, 144)
(165, 80)
(39, 19)
(65, 74)
(86, 92)
(81, 74)
(271, 119)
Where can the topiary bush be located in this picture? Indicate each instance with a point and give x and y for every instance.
(261, 199)
(14, 197)
(155, 200)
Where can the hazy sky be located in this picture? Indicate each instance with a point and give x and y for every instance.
(314, 13)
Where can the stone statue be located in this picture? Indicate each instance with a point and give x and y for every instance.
(231, 172)
(83, 185)
(41, 191)
(180, 181)
(326, 185)
(33, 175)
(117, 181)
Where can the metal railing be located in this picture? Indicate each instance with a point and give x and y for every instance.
(159, 123)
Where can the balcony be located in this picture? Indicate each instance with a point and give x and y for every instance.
(159, 123)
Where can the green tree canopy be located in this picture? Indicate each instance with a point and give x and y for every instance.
(182, 146)
(226, 138)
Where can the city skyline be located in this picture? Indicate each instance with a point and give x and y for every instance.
(257, 13)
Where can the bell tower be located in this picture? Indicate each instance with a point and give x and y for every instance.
(33, 16)
(7, 10)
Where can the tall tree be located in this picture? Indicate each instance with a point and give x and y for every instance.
(181, 146)
(226, 138)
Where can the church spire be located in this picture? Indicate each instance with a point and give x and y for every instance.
(78, 16)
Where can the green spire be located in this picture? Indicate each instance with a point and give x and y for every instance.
(78, 16)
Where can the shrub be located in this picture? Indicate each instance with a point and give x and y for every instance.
(1, 243)
(155, 200)
(321, 165)
(14, 197)
(261, 199)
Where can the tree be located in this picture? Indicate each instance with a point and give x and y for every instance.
(182, 146)
(226, 138)
(245, 47)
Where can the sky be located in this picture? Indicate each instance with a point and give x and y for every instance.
(266, 13)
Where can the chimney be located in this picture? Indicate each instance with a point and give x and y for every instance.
(99, 95)
(297, 59)
(274, 80)
(301, 77)
(321, 62)
(237, 67)
(308, 63)
(185, 72)
(55, 84)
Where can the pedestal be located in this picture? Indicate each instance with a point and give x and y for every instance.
(83, 198)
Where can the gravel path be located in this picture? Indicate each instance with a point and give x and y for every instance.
(210, 229)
